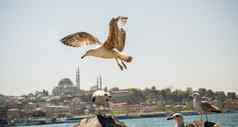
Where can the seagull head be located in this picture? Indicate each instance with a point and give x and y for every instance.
(102, 96)
(174, 116)
(196, 95)
(178, 118)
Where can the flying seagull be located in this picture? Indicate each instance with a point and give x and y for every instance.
(203, 106)
(111, 49)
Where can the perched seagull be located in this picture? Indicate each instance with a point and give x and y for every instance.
(101, 99)
(179, 119)
(111, 49)
(203, 106)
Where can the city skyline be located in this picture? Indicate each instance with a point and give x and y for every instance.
(99, 85)
(174, 44)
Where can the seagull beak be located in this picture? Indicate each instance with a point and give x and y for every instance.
(170, 118)
(83, 56)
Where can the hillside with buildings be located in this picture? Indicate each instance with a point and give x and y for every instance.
(68, 100)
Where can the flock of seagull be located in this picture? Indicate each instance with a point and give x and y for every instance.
(112, 49)
(200, 105)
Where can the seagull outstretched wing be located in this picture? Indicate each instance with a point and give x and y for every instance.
(80, 39)
(116, 38)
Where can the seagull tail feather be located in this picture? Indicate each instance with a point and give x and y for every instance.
(216, 109)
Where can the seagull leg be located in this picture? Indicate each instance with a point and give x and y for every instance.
(120, 66)
(206, 117)
(201, 115)
(123, 64)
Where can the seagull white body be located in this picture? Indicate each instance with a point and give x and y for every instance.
(196, 104)
(103, 52)
(111, 49)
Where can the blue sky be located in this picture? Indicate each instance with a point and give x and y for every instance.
(174, 43)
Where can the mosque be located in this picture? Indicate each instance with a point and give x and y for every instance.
(66, 87)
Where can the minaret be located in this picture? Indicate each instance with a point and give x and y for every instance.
(100, 82)
(78, 77)
(97, 83)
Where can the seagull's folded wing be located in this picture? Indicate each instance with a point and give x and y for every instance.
(79, 39)
(206, 106)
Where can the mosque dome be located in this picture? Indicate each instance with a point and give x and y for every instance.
(65, 82)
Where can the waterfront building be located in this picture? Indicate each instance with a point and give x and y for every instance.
(39, 112)
(12, 102)
(3, 101)
(120, 96)
(149, 108)
(13, 113)
(135, 108)
(75, 106)
(119, 107)
(3, 108)
(78, 106)
(231, 95)
(231, 105)
(58, 111)
(220, 95)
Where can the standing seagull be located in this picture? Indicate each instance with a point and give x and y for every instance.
(111, 49)
(203, 106)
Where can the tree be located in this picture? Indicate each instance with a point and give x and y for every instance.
(202, 91)
(166, 94)
(178, 95)
(136, 96)
(189, 91)
(210, 93)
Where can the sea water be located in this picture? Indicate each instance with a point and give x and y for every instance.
(224, 119)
